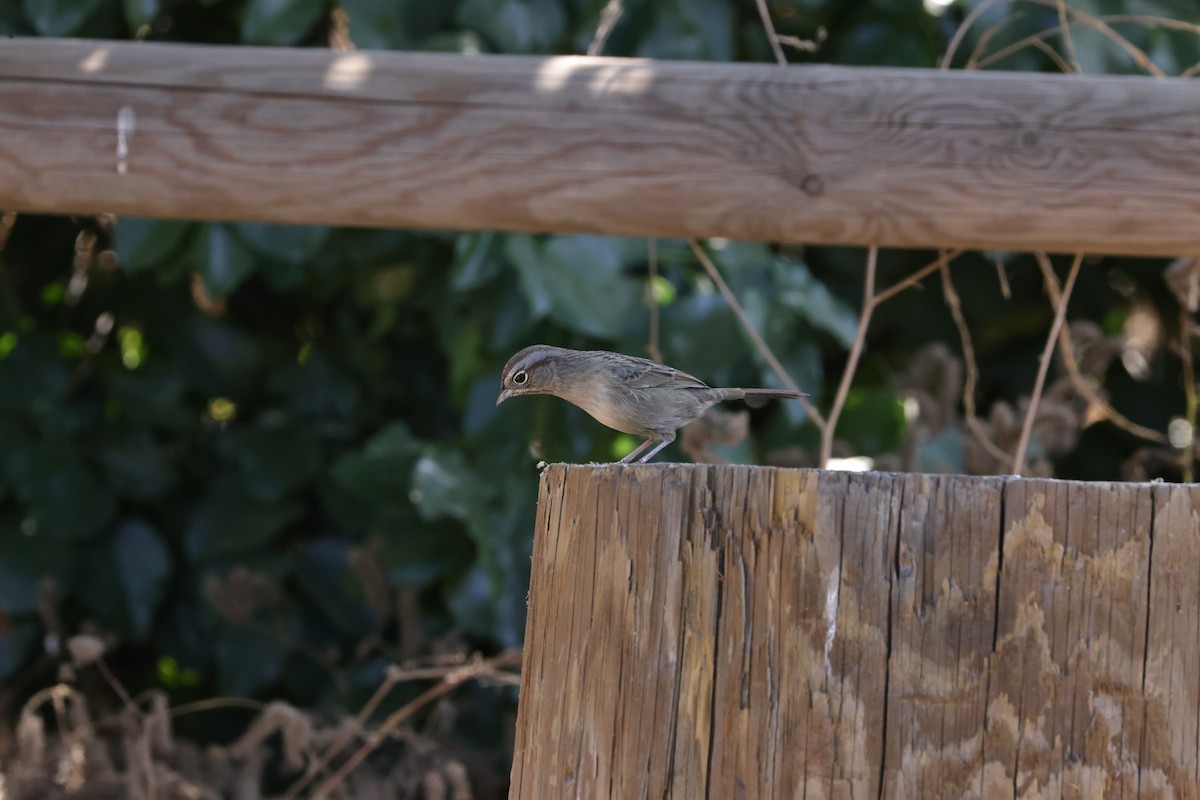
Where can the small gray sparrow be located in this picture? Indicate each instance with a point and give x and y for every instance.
(626, 393)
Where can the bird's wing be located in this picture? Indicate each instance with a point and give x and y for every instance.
(642, 373)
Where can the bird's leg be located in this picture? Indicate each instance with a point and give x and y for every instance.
(629, 458)
(652, 453)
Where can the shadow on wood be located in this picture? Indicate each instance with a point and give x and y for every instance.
(812, 154)
(727, 631)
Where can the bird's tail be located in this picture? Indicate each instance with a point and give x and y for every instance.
(758, 397)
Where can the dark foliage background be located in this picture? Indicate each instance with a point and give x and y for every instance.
(264, 461)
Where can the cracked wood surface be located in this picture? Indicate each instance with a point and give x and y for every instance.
(812, 154)
(739, 632)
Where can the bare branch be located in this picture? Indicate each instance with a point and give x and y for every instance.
(763, 348)
(912, 280)
(961, 33)
(1082, 384)
(860, 338)
(1035, 397)
(608, 20)
(972, 366)
(1068, 42)
(451, 681)
(769, 27)
(652, 265)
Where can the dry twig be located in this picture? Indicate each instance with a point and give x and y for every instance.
(860, 339)
(1031, 412)
(763, 348)
(451, 680)
(769, 27)
(972, 371)
(608, 20)
(1066, 350)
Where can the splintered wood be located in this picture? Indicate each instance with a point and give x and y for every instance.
(737, 632)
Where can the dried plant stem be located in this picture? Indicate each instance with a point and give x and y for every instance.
(1082, 384)
(763, 348)
(1192, 407)
(391, 678)
(652, 266)
(769, 27)
(449, 682)
(1068, 42)
(608, 20)
(918, 276)
(961, 33)
(954, 302)
(860, 338)
(1060, 315)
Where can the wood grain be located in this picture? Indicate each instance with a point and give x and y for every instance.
(726, 631)
(906, 158)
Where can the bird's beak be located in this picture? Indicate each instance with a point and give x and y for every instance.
(504, 395)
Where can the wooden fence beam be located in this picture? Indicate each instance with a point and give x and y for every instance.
(727, 631)
(815, 154)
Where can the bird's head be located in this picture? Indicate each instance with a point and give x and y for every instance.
(537, 369)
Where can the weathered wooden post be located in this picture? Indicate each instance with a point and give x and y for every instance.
(727, 631)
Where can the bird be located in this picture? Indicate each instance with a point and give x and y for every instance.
(627, 393)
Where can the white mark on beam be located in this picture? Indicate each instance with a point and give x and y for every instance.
(95, 61)
(831, 612)
(126, 122)
(348, 72)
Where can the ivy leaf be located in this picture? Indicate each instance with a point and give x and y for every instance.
(144, 244)
(279, 22)
(59, 17)
(578, 281)
(140, 12)
(379, 471)
(230, 520)
(248, 660)
(224, 263)
(442, 485)
(24, 562)
(127, 578)
(276, 457)
(516, 26)
(323, 573)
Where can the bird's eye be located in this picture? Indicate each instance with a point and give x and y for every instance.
(520, 378)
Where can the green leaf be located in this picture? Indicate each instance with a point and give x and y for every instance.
(225, 264)
(694, 30)
(516, 26)
(801, 292)
(143, 567)
(442, 485)
(279, 22)
(320, 391)
(276, 456)
(475, 261)
(380, 470)
(377, 24)
(579, 281)
(230, 520)
(18, 641)
(25, 561)
(144, 244)
(248, 659)
(152, 395)
(417, 553)
(135, 465)
(323, 573)
(140, 12)
(59, 17)
(65, 501)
